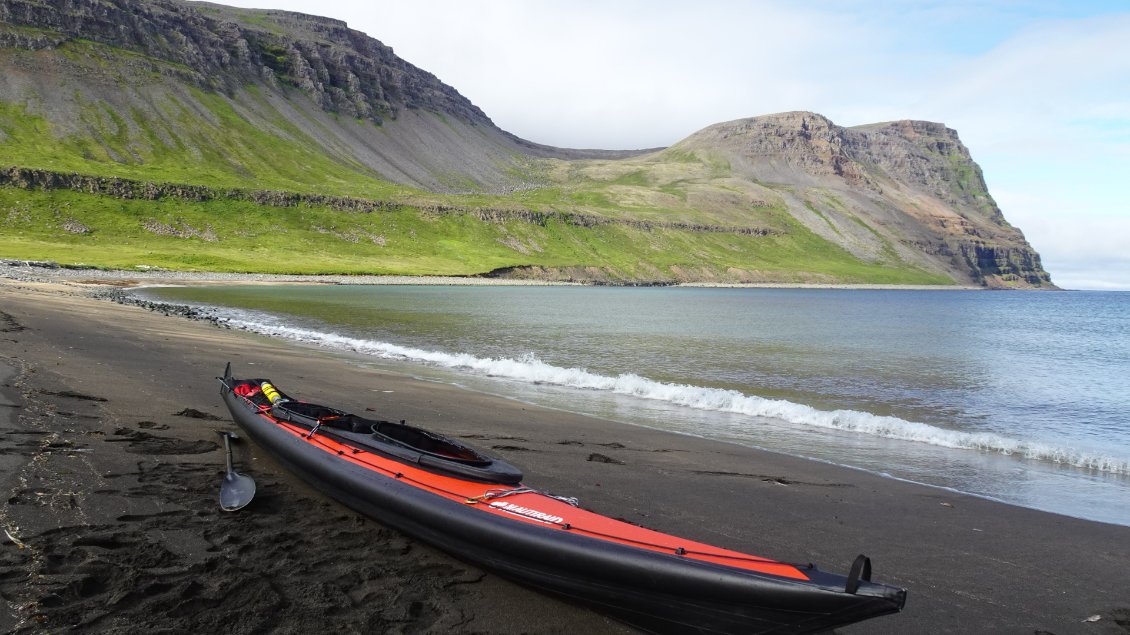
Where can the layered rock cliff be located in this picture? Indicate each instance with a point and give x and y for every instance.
(911, 186)
(340, 69)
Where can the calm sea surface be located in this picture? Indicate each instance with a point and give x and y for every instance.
(1021, 397)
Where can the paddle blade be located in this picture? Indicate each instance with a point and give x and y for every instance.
(236, 491)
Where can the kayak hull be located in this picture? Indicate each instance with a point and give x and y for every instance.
(652, 587)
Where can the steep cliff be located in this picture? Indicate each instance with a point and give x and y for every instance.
(910, 187)
(224, 48)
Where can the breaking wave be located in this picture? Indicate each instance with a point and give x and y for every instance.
(528, 368)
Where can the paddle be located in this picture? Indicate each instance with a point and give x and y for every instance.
(237, 490)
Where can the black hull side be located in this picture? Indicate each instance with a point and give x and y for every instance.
(655, 591)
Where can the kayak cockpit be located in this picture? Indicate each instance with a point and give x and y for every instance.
(401, 434)
(403, 442)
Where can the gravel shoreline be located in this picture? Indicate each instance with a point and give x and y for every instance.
(37, 271)
(34, 271)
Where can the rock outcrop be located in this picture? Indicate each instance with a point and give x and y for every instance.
(342, 70)
(910, 186)
(128, 189)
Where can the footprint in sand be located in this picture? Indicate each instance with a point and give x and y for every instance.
(145, 443)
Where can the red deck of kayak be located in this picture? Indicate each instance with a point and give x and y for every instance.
(537, 508)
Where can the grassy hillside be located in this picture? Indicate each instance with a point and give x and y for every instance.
(174, 94)
(225, 235)
(185, 135)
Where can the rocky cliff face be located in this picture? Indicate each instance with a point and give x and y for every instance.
(910, 186)
(340, 69)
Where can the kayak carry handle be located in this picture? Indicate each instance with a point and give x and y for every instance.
(860, 570)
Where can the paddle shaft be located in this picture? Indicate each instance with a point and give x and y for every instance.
(227, 447)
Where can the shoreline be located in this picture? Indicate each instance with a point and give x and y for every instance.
(32, 271)
(119, 295)
(99, 447)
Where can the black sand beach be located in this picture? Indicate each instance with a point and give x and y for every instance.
(110, 466)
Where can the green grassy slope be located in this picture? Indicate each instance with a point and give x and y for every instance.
(71, 227)
(219, 147)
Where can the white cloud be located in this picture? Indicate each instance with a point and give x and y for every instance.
(625, 74)
(1081, 249)
(1045, 115)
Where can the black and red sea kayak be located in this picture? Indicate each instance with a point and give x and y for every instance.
(474, 506)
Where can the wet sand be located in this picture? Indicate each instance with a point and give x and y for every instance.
(110, 467)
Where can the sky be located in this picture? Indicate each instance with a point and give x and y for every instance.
(1039, 91)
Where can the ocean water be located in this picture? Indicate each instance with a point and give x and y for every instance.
(1017, 396)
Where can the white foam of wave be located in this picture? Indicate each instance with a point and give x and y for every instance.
(528, 368)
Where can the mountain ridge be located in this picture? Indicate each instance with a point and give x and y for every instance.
(198, 93)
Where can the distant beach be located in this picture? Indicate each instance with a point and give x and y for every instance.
(23, 270)
(31, 270)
